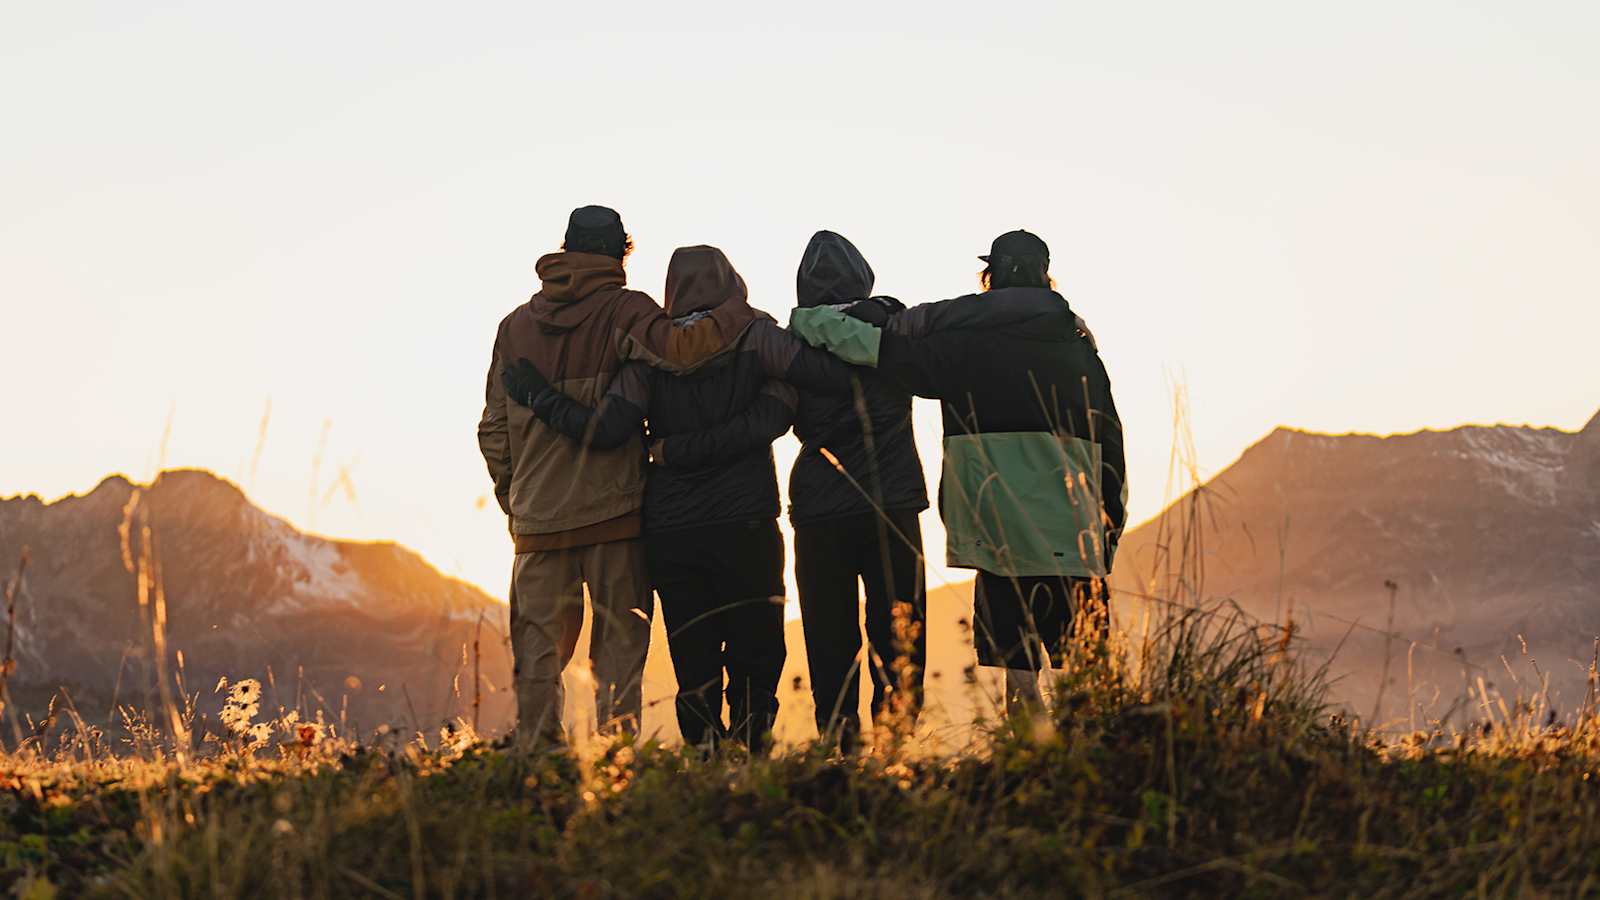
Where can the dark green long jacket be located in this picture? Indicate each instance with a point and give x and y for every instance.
(1034, 478)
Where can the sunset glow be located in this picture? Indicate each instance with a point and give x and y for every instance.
(229, 242)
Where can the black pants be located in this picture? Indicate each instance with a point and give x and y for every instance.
(829, 557)
(721, 590)
(1019, 618)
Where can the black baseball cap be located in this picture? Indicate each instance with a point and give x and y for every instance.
(1018, 243)
(596, 229)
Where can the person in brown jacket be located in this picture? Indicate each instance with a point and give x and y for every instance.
(575, 510)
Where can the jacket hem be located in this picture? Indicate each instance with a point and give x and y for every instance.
(802, 522)
(650, 529)
(522, 525)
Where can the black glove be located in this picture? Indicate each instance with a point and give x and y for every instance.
(523, 382)
(869, 311)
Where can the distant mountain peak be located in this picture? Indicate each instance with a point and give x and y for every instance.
(1490, 530)
(115, 482)
(1583, 466)
(172, 481)
(244, 591)
(197, 480)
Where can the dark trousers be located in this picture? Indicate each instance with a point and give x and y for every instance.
(1022, 618)
(885, 553)
(721, 590)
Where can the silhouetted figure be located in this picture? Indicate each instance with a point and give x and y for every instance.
(575, 511)
(1033, 493)
(857, 526)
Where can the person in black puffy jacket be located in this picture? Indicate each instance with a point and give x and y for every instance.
(712, 544)
(1034, 492)
(854, 496)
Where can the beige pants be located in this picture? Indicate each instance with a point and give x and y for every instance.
(546, 616)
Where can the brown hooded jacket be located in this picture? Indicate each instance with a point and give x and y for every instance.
(713, 427)
(579, 329)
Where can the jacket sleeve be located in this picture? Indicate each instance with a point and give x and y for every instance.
(788, 358)
(762, 422)
(909, 361)
(846, 337)
(619, 417)
(646, 334)
(1000, 308)
(1107, 429)
(494, 433)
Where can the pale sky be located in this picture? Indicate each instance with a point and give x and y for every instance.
(1358, 216)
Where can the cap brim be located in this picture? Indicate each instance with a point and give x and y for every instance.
(985, 258)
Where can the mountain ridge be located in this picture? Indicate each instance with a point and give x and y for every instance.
(118, 479)
(246, 593)
(1490, 533)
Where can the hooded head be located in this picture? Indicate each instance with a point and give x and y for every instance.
(832, 271)
(700, 278)
(568, 279)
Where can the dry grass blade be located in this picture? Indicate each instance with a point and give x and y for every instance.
(8, 665)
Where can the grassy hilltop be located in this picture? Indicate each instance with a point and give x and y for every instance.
(1201, 762)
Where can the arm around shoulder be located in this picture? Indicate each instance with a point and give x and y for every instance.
(618, 419)
(846, 337)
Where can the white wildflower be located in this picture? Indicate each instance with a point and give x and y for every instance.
(244, 701)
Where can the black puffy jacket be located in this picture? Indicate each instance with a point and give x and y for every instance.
(711, 429)
(868, 431)
(1034, 476)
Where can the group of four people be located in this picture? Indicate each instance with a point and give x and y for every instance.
(630, 446)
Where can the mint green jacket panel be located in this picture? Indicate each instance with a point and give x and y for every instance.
(850, 339)
(1023, 503)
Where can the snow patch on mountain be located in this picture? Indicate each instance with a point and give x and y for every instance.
(321, 577)
(1527, 464)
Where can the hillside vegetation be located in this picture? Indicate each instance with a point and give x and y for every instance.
(1199, 760)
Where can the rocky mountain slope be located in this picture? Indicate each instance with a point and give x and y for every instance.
(367, 631)
(1490, 535)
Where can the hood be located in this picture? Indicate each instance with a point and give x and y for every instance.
(568, 279)
(700, 279)
(832, 271)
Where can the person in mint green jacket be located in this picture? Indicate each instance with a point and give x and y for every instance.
(1033, 492)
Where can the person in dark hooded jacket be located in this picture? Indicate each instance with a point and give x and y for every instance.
(854, 496)
(712, 545)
